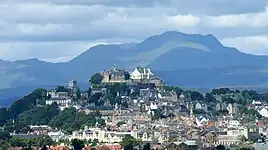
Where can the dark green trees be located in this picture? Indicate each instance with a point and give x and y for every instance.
(78, 144)
(96, 78)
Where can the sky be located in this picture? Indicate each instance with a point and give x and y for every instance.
(58, 30)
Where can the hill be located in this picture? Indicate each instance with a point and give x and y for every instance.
(187, 60)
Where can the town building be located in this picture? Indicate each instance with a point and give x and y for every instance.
(102, 135)
(115, 75)
(141, 73)
(60, 98)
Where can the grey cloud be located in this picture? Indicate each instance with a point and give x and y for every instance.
(208, 7)
(36, 23)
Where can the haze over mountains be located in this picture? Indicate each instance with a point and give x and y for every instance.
(191, 61)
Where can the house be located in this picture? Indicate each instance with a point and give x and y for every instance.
(201, 106)
(98, 91)
(104, 110)
(61, 98)
(187, 145)
(141, 73)
(73, 87)
(115, 75)
(102, 135)
(263, 112)
(208, 138)
(218, 107)
(168, 95)
(232, 109)
(157, 81)
(198, 106)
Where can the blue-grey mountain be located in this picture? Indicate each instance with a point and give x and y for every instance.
(186, 60)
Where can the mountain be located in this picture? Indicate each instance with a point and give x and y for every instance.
(187, 60)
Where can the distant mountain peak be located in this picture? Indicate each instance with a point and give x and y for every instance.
(31, 62)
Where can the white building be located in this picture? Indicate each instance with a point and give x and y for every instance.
(263, 112)
(141, 73)
(232, 109)
(198, 106)
(61, 98)
(232, 137)
(102, 135)
(59, 101)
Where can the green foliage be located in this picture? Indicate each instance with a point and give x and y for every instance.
(16, 142)
(61, 89)
(18, 107)
(96, 99)
(220, 147)
(4, 116)
(78, 144)
(147, 146)
(36, 115)
(221, 91)
(120, 123)
(251, 112)
(26, 103)
(128, 142)
(196, 96)
(4, 136)
(78, 93)
(94, 142)
(4, 145)
(101, 122)
(96, 79)
(70, 120)
(245, 148)
(209, 98)
(157, 114)
(251, 94)
(114, 89)
(228, 100)
(39, 141)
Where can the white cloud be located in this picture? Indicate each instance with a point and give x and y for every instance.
(37, 28)
(251, 44)
(185, 20)
(48, 51)
(246, 20)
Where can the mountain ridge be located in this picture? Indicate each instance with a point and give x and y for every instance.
(169, 51)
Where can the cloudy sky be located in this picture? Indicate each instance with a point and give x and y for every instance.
(58, 30)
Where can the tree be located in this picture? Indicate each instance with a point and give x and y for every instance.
(78, 93)
(5, 136)
(221, 91)
(209, 98)
(96, 78)
(120, 123)
(220, 147)
(196, 96)
(4, 145)
(128, 142)
(44, 148)
(17, 142)
(95, 142)
(147, 146)
(44, 141)
(78, 144)
(61, 89)
(89, 91)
